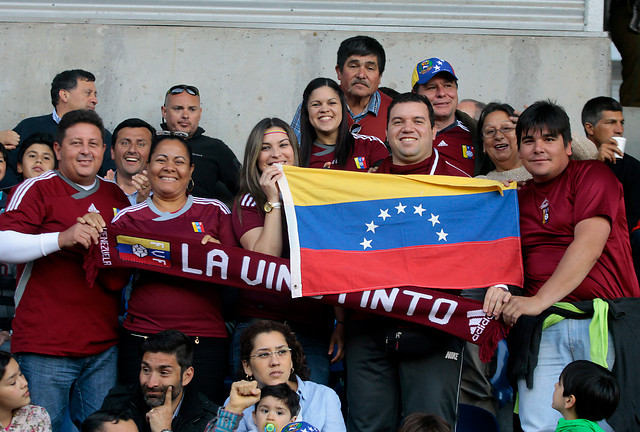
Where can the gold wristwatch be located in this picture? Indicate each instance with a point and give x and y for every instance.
(269, 206)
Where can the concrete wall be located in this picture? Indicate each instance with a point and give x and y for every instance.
(247, 74)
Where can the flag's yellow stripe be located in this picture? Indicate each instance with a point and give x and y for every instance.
(323, 186)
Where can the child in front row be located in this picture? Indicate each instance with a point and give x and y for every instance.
(276, 406)
(584, 394)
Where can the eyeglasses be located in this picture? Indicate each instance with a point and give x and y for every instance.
(179, 134)
(504, 130)
(267, 355)
(177, 89)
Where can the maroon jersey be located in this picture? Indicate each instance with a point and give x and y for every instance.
(367, 151)
(456, 145)
(374, 124)
(549, 212)
(57, 312)
(263, 305)
(160, 302)
(435, 164)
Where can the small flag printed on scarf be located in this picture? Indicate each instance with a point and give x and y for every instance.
(155, 253)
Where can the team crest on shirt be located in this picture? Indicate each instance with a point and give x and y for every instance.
(361, 162)
(92, 209)
(545, 211)
(197, 227)
(155, 253)
(467, 151)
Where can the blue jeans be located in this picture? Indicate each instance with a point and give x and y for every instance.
(560, 344)
(78, 384)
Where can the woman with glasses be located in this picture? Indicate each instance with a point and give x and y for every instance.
(272, 355)
(160, 302)
(258, 223)
(497, 132)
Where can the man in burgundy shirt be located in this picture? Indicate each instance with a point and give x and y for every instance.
(575, 246)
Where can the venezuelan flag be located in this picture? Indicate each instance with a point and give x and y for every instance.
(155, 253)
(351, 231)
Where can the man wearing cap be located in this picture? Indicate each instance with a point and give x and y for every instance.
(216, 166)
(70, 90)
(360, 64)
(456, 131)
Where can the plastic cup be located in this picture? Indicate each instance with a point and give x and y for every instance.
(622, 143)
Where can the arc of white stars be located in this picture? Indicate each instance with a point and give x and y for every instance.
(371, 227)
(400, 208)
(366, 244)
(434, 219)
(419, 210)
(384, 214)
(442, 235)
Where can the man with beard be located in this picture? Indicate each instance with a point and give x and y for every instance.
(164, 401)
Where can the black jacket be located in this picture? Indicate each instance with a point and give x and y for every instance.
(195, 412)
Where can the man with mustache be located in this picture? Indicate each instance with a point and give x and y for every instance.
(361, 61)
(164, 401)
(216, 167)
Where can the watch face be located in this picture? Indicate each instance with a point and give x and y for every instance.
(268, 207)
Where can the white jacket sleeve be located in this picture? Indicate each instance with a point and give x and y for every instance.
(18, 248)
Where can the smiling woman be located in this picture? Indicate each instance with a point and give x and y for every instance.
(326, 141)
(159, 302)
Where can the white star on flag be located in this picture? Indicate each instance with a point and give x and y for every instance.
(419, 210)
(366, 243)
(400, 208)
(441, 235)
(434, 219)
(384, 214)
(437, 67)
(371, 227)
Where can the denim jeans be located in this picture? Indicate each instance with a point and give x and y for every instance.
(560, 344)
(78, 384)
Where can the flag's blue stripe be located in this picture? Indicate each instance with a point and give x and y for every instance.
(155, 253)
(464, 218)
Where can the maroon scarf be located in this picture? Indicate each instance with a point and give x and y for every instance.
(244, 269)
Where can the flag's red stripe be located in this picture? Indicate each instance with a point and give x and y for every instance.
(454, 266)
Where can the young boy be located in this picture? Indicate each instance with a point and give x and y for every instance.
(584, 394)
(36, 156)
(278, 406)
(275, 407)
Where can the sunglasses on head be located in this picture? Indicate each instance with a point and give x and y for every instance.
(179, 134)
(177, 89)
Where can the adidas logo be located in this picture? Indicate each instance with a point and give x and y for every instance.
(478, 321)
(93, 209)
(443, 143)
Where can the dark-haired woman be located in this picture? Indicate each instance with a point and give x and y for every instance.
(326, 141)
(272, 355)
(160, 302)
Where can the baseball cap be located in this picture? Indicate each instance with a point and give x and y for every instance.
(427, 69)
